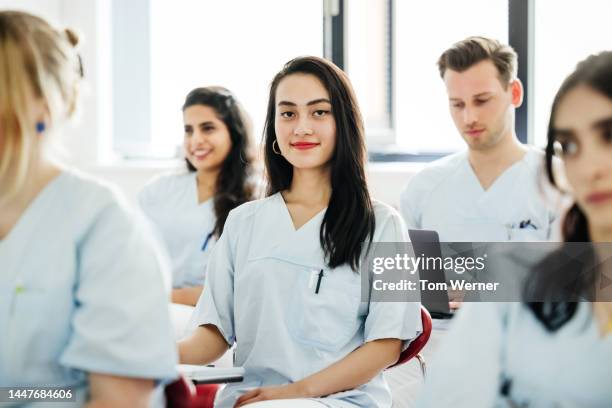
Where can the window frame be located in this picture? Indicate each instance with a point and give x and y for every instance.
(131, 40)
(520, 37)
(130, 37)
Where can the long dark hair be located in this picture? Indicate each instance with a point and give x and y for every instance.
(349, 219)
(549, 280)
(233, 187)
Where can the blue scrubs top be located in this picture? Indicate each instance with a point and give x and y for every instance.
(260, 293)
(447, 197)
(81, 290)
(491, 344)
(184, 225)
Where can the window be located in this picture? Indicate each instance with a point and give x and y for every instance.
(423, 30)
(238, 44)
(565, 33)
(389, 48)
(369, 64)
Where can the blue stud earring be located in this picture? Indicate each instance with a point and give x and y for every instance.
(40, 127)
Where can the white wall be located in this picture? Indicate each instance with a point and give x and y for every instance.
(87, 140)
(48, 9)
(385, 180)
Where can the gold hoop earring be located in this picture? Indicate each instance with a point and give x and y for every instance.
(274, 150)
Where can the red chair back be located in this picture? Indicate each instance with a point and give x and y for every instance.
(183, 394)
(180, 393)
(417, 344)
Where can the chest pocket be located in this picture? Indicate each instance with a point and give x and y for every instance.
(37, 330)
(327, 319)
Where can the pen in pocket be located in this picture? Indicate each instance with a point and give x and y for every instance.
(208, 237)
(319, 281)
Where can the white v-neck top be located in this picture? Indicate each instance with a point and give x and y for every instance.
(447, 197)
(171, 204)
(261, 295)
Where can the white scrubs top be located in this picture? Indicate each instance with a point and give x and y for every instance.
(81, 290)
(260, 294)
(491, 343)
(447, 197)
(183, 225)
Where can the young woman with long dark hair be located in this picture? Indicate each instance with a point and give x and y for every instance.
(189, 209)
(284, 282)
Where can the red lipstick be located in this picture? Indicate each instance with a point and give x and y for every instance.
(304, 145)
(599, 197)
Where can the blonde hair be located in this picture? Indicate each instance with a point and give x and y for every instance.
(36, 61)
(469, 52)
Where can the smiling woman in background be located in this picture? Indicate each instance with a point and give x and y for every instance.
(72, 256)
(189, 209)
(555, 349)
(283, 280)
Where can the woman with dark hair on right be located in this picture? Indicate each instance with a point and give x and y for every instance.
(556, 351)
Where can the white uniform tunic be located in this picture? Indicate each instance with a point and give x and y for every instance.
(183, 224)
(447, 197)
(81, 290)
(260, 293)
(493, 343)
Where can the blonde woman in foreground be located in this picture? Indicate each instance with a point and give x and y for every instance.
(72, 255)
